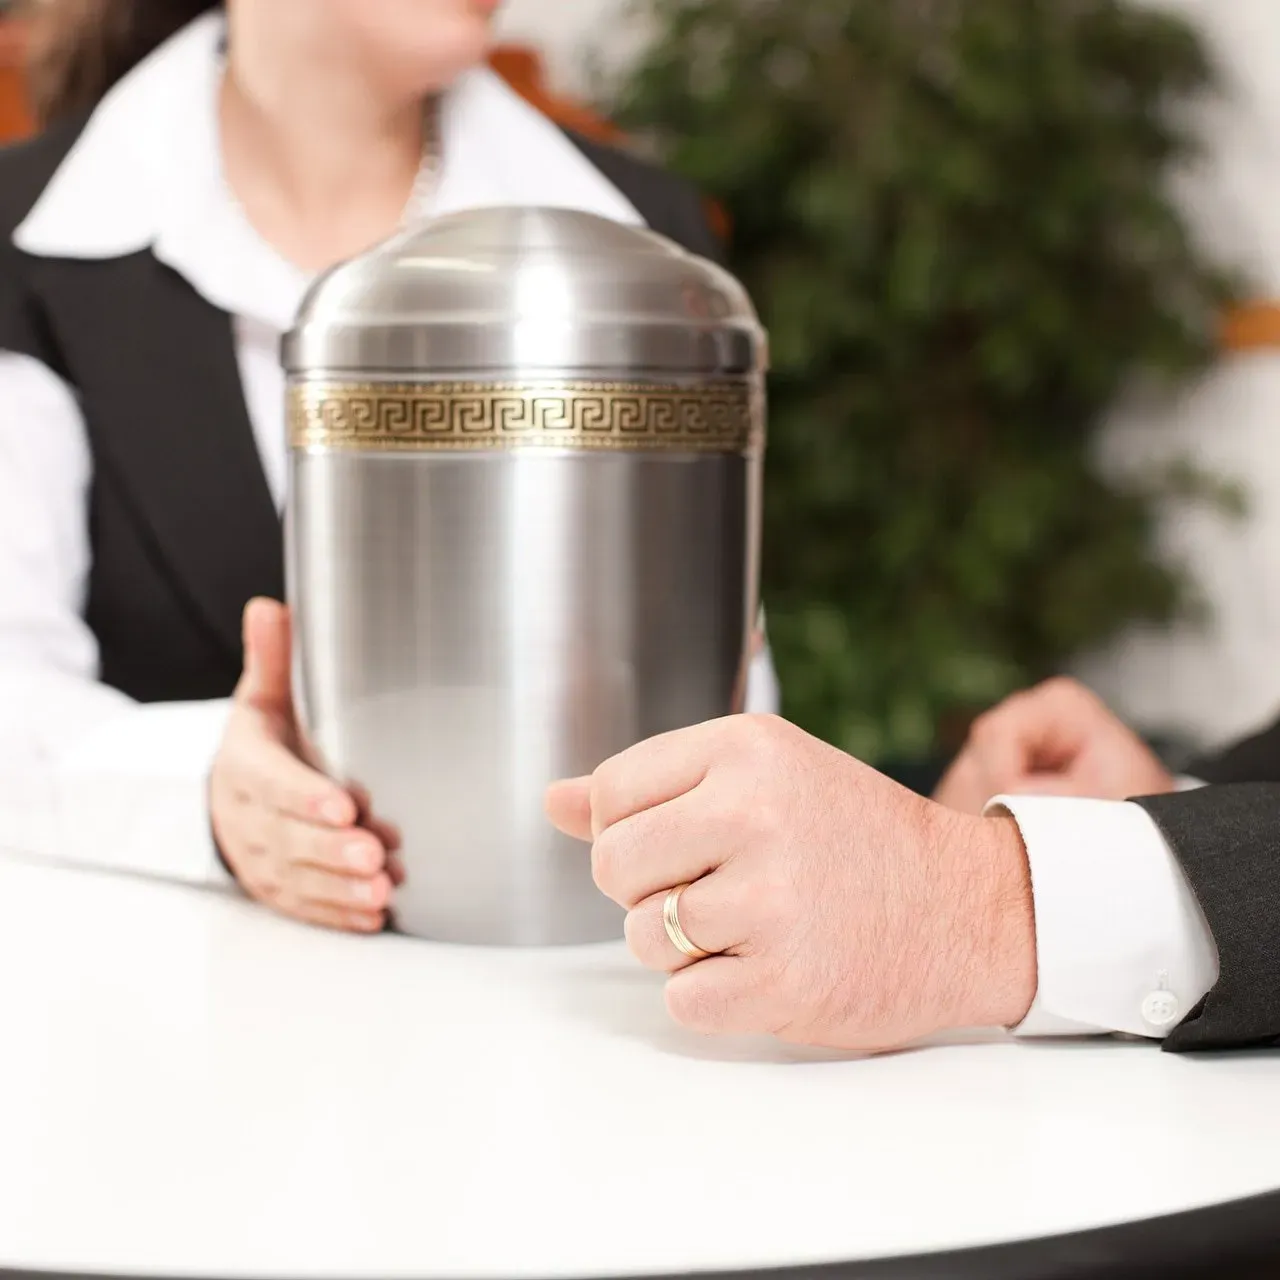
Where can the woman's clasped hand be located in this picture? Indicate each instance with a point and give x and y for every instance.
(293, 839)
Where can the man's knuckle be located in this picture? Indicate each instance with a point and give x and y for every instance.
(603, 859)
(760, 735)
(765, 898)
(728, 820)
(632, 932)
(606, 788)
(771, 819)
(739, 823)
(611, 862)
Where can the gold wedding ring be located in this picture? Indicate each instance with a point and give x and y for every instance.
(671, 922)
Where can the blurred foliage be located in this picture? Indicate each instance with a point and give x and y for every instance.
(953, 217)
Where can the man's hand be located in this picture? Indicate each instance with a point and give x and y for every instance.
(1056, 739)
(290, 835)
(841, 909)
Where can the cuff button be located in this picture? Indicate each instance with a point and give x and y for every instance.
(1160, 1009)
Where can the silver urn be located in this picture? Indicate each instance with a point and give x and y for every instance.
(522, 535)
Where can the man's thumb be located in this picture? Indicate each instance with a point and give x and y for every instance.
(568, 805)
(267, 656)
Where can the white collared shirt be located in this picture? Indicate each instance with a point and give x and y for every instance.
(88, 776)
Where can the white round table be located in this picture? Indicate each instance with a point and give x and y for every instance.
(189, 1085)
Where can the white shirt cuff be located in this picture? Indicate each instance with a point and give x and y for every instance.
(130, 794)
(1121, 942)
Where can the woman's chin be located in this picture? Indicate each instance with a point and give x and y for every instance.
(470, 42)
(455, 49)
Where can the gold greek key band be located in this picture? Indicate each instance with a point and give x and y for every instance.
(722, 417)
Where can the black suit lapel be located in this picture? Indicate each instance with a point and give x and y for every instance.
(156, 369)
(668, 205)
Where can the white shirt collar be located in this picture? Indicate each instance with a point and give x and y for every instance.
(146, 173)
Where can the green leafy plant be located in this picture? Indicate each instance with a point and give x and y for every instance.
(953, 217)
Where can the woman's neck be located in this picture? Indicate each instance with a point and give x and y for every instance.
(320, 160)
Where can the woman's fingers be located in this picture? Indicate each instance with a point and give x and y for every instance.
(346, 869)
(291, 835)
(348, 851)
(319, 898)
(356, 893)
(327, 916)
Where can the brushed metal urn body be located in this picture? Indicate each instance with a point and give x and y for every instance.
(522, 535)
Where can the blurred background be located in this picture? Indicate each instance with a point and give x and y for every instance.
(1017, 260)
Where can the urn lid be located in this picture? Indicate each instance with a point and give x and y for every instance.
(492, 293)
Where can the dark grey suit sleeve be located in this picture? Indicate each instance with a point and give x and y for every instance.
(1227, 839)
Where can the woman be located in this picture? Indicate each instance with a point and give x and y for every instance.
(200, 164)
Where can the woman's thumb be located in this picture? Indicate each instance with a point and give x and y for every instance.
(267, 656)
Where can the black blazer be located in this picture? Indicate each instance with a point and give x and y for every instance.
(1227, 838)
(182, 525)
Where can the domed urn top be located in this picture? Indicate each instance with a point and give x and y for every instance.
(524, 292)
